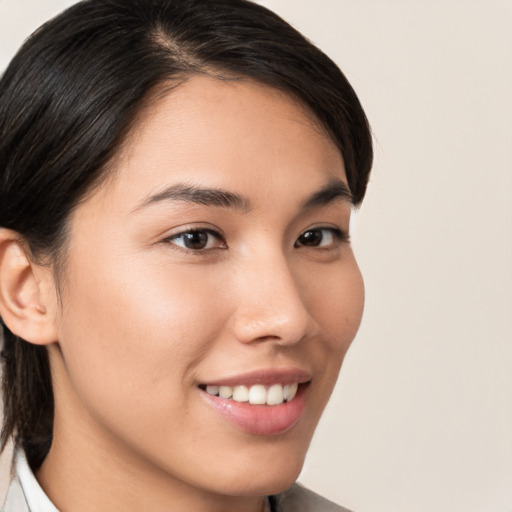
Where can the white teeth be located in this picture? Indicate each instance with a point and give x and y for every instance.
(241, 393)
(225, 391)
(257, 394)
(275, 395)
(212, 390)
(292, 391)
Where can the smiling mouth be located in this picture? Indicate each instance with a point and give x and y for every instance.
(257, 394)
(263, 403)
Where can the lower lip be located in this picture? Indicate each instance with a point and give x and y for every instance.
(262, 420)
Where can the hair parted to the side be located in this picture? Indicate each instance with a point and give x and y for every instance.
(70, 96)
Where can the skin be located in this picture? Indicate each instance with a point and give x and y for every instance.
(144, 320)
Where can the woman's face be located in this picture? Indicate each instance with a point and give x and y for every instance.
(216, 256)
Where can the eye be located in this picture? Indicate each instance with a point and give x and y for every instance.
(321, 237)
(197, 240)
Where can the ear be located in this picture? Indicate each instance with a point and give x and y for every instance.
(28, 299)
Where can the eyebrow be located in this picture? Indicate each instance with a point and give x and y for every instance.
(334, 190)
(198, 195)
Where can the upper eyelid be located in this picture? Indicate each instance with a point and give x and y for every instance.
(342, 235)
(337, 229)
(195, 229)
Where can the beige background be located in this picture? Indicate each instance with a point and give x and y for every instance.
(421, 419)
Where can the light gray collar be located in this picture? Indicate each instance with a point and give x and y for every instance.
(25, 493)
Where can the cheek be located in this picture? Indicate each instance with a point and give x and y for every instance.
(131, 337)
(335, 299)
(337, 302)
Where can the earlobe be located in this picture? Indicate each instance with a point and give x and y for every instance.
(26, 305)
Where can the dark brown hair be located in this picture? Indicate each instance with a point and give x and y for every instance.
(73, 91)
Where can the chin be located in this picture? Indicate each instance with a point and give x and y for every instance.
(262, 486)
(263, 479)
(277, 485)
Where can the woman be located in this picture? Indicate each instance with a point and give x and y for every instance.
(177, 287)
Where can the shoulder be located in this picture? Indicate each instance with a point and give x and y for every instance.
(299, 499)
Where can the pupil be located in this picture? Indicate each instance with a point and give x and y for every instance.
(196, 240)
(312, 237)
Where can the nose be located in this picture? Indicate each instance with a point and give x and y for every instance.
(270, 303)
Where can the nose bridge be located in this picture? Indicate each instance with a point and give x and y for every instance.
(270, 303)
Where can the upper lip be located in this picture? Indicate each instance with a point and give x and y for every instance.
(263, 376)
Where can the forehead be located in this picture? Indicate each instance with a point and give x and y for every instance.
(237, 135)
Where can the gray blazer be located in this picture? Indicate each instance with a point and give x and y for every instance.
(299, 499)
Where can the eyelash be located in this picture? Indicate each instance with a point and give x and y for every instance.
(339, 237)
(195, 232)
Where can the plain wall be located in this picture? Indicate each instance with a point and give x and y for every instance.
(421, 419)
